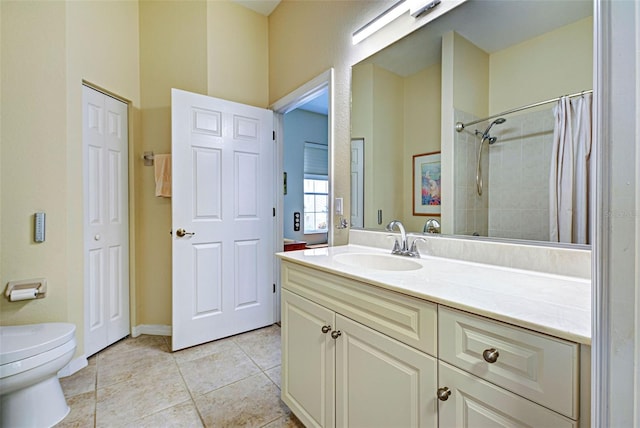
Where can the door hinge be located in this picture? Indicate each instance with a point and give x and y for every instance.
(274, 288)
(274, 211)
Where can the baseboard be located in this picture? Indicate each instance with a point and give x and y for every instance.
(74, 366)
(151, 329)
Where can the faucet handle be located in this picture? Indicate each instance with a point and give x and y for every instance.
(413, 252)
(396, 245)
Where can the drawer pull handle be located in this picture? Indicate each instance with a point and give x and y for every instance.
(326, 328)
(443, 393)
(491, 355)
(336, 334)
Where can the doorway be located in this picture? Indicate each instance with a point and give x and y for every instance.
(105, 142)
(314, 98)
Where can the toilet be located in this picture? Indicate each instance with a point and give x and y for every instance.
(30, 358)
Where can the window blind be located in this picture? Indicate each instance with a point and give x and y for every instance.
(316, 159)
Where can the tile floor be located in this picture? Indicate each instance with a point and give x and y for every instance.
(139, 382)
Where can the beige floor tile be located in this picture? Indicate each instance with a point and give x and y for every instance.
(143, 342)
(275, 375)
(203, 350)
(140, 396)
(262, 346)
(83, 411)
(252, 402)
(122, 367)
(227, 365)
(183, 415)
(287, 421)
(81, 381)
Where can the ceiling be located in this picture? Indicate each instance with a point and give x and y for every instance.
(263, 7)
(492, 25)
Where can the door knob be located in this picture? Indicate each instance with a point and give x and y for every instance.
(336, 334)
(181, 232)
(326, 328)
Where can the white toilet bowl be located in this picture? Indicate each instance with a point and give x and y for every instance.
(30, 358)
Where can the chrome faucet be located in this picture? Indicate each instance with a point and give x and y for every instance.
(431, 226)
(403, 247)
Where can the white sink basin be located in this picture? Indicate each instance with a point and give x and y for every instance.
(377, 261)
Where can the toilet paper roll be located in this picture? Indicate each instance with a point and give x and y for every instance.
(23, 294)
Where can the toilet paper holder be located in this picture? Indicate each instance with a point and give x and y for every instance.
(38, 285)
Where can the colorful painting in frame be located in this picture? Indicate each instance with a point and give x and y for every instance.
(426, 184)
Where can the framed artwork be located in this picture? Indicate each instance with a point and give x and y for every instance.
(426, 184)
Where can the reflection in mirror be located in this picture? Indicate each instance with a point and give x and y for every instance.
(481, 60)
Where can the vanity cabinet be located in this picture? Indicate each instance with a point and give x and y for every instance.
(358, 355)
(339, 369)
(473, 402)
(490, 369)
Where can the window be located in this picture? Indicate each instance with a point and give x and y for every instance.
(316, 204)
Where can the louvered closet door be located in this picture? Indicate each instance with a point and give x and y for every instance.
(106, 229)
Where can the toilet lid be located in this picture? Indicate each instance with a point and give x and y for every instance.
(23, 341)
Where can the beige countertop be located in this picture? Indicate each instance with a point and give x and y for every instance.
(553, 304)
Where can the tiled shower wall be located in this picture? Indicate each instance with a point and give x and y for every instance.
(471, 209)
(519, 167)
(515, 200)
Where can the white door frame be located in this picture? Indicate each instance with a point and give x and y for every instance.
(284, 105)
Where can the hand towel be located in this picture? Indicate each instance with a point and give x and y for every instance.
(162, 169)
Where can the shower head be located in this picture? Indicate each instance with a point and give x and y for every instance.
(485, 135)
(498, 121)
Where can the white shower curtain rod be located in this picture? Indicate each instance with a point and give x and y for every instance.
(460, 126)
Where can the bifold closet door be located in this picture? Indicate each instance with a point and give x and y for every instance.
(106, 221)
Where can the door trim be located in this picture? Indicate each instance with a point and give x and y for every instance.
(289, 102)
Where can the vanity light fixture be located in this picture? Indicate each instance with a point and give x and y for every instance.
(416, 8)
(380, 21)
(420, 7)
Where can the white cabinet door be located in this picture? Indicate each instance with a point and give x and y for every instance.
(308, 360)
(473, 402)
(381, 382)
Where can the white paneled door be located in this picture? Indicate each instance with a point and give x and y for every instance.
(106, 220)
(357, 183)
(222, 218)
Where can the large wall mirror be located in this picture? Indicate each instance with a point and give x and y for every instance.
(496, 177)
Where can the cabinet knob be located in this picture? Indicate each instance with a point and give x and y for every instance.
(336, 334)
(443, 393)
(490, 355)
(326, 328)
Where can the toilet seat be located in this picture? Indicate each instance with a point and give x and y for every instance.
(25, 347)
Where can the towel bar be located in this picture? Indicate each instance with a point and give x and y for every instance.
(148, 158)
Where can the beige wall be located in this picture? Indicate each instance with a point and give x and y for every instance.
(173, 54)
(556, 63)
(48, 48)
(307, 38)
(238, 53)
(34, 156)
(137, 51)
(422, 95)
(211, 47)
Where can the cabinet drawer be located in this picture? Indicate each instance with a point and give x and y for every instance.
(541, 368)
(473, 402)
(407, 319)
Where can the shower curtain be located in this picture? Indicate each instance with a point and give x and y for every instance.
(571, 167)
